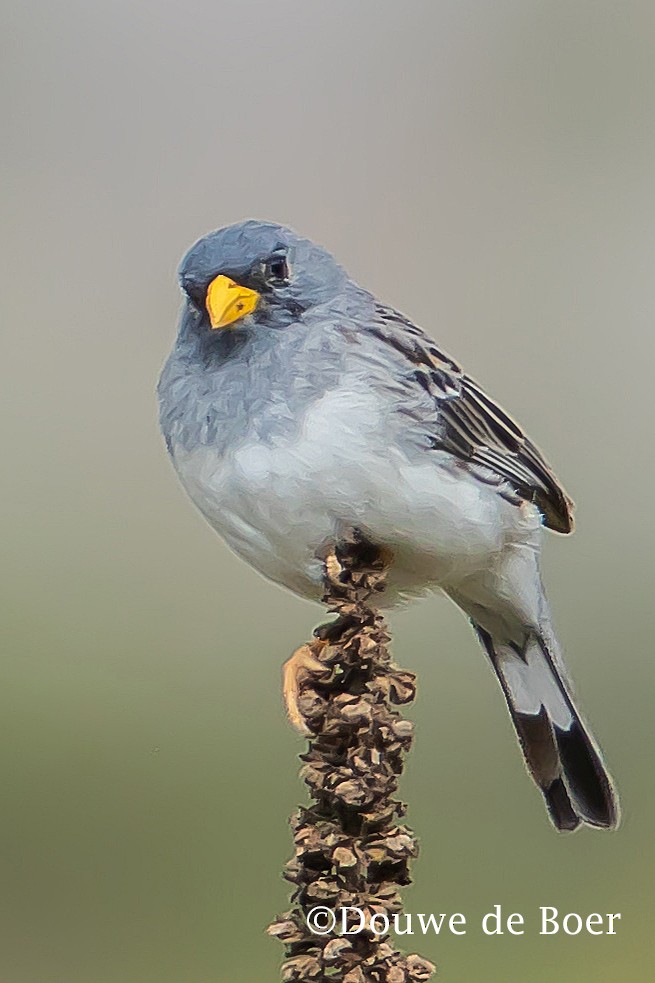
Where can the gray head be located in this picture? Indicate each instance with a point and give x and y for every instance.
(257, 272)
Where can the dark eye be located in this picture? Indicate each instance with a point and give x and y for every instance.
(277, 270)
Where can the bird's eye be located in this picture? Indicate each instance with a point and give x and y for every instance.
(276, 270)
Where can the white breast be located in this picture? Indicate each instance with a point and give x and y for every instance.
(277, 503)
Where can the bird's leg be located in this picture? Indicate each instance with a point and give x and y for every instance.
(296, 671)
(344, 565)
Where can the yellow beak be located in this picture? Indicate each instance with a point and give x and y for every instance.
(228, 301)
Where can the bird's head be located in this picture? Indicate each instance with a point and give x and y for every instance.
(257, 273)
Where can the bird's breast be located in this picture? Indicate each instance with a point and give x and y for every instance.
(277, 501)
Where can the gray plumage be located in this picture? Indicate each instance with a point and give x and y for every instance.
(322, 409)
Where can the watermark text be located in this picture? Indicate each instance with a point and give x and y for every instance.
(350, 920)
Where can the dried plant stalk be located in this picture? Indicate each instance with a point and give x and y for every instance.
(351, 847)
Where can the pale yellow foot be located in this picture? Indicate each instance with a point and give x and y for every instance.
(302, 665)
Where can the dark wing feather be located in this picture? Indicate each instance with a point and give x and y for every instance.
(472, 426)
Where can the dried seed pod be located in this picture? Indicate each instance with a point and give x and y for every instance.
(350, 851)
(335, 949)
(353, 793)
(301, 968)
(355, 975)
(322, 889)
(419, 969)
(343, 857)
(403, 729)
(396, 974)
(287, 931)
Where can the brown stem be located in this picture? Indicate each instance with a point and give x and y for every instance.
(351, 848)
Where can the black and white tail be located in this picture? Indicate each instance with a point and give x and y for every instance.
(559, 751)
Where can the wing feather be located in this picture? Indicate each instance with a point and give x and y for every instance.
(472, 426)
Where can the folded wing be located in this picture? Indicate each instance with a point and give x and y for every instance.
(472, 426)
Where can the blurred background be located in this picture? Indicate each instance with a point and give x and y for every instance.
(487, 168)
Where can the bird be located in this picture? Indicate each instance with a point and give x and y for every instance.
(294, 405)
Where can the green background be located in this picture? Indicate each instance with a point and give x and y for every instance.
(486, 167)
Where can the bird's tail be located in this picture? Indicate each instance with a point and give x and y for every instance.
(559, 752)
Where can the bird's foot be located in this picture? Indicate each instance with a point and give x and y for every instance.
(296, 672)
